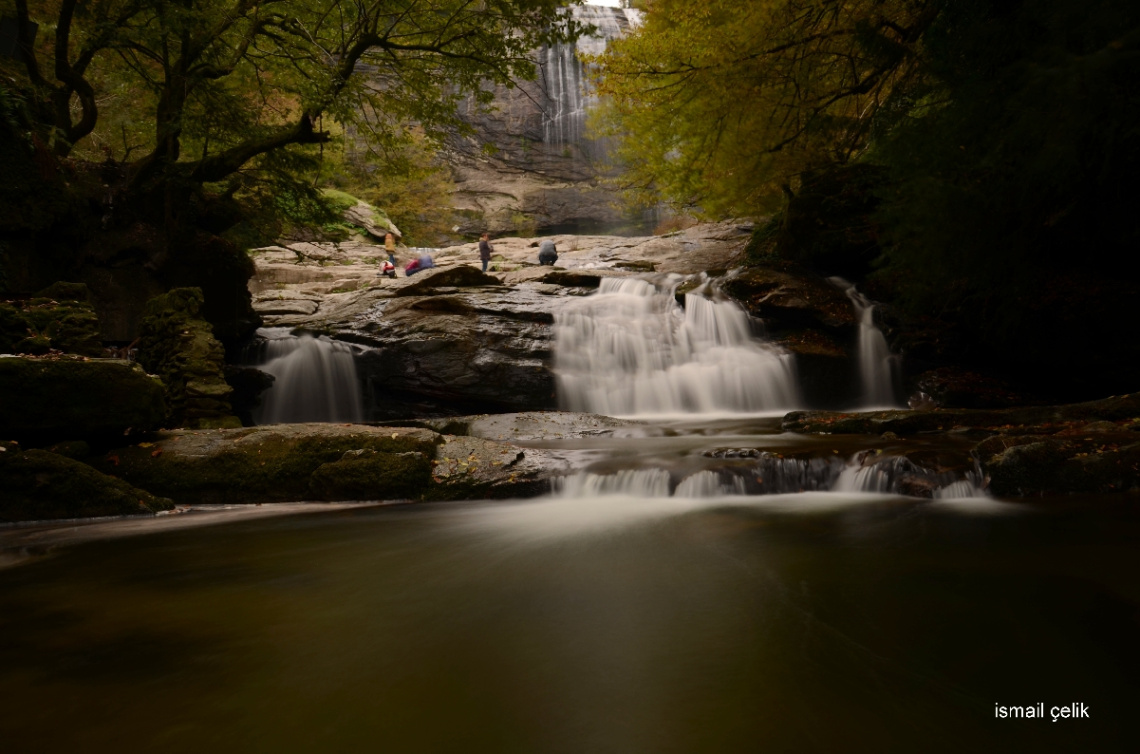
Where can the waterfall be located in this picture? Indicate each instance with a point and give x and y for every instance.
(315, 380)
(568, 93)
(876, 363)
(772, 475)
(629, 349)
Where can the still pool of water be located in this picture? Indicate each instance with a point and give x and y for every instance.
(812, 622)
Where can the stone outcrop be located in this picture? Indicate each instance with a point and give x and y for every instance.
(179, 346)
(544, 167)
(1091, 447)
(1028, 420)
(808, 316)
(294, 462)
(38, 485)
(364, 216)
(452, 339)
(47, 400)
(58, 318)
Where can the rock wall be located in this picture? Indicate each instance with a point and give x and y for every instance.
(532, 164)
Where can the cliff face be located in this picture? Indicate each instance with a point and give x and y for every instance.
(532, 165)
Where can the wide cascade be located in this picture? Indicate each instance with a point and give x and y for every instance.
(314, 380)
(630, 350)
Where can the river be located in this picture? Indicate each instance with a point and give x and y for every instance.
(700, 581)
(607, 622)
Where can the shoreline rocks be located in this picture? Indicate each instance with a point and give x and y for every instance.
(1091, 447)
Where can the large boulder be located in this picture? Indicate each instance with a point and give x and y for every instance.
(1100, 457)
(178, 345)
(51, 399)
(38, 485)
(277, 463)
(295, 462)
(809, 317)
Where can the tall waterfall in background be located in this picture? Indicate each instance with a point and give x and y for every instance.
(315, 380)
(876, 363)
(568, 93)
(629, 349)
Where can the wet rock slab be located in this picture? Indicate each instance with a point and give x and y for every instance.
(1030, 420)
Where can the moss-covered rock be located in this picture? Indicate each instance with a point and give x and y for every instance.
(294, 462)
(49, 400)
(278, 463)
(60, 317)
(468, 468)
(37, 485)
(370, 475)
(179, 346)
(1040, 465)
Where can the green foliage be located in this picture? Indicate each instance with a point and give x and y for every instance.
(194, 92)
(721, 105)
(762, 245)
(405, 179)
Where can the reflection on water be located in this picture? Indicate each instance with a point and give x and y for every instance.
(813, 622)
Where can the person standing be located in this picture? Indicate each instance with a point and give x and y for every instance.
(390, 247)
(485, 249)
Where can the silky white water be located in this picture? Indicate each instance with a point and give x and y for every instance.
(630, 350)
(314, 380)
(564, 76)
(876, 363)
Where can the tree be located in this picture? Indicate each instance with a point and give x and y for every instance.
(201, 89)
(721, 105)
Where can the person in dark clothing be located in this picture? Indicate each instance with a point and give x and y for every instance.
(485, 249)
(547, 254)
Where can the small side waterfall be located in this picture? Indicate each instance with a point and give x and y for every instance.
(315, 380)
(629, 349)
(877, 365)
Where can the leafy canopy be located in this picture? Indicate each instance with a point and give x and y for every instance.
(720, 105)
(195, 90)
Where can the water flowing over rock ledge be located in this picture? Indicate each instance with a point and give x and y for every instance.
(1091, 447)
(453, 340)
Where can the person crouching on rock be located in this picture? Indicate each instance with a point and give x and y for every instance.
(419, 265)
(485, 249)
(547, 254)
(387, 269)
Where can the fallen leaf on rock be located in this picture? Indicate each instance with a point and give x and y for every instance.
(156, 453)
